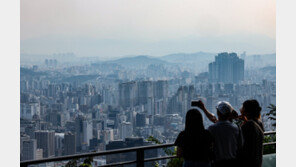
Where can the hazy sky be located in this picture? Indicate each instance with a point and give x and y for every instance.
(155, 27)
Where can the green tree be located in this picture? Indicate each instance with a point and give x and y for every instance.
(272, 113)
(270, 148)
(270, 138)
(72, 163)
(87, 162)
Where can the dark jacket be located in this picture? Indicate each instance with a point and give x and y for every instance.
(252, 151)
(196, 147)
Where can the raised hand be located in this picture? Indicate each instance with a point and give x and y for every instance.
(201, 105)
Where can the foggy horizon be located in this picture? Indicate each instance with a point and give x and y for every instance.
(112, 29)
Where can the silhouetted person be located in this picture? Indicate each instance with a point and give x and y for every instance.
(195, 143)
(253, 133)
(227, 135)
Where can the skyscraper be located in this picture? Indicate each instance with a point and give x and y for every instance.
(227, 68)
(160, 89)
(29, 150)
(126, 130)
(69, 144)
(23, 138)
(59, 144)
(83, 129)
(45, 141)
(127, 94)
(144, 91)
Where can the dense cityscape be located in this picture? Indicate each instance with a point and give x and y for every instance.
(91, 105)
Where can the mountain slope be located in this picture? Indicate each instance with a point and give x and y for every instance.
(141, 61)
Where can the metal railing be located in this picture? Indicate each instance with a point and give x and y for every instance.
(140, 160)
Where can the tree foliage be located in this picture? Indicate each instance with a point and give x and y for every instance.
(72, 163)
(272, 113)
(86, 163)
(270, 138)
(270, 148)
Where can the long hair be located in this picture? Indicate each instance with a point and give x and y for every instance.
(194, 122)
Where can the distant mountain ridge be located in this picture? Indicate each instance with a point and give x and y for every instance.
(190, 61)
(195, 62)
(141, 61)
(188, 57)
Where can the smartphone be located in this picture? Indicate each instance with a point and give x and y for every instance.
(195, 103)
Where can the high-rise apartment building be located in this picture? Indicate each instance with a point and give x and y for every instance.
(84, 132)
(227, 68)
(127, 94)
(144, 91)
(28, 110)
(59, 144)
(126, 130)
(138, 93)
(160, 89)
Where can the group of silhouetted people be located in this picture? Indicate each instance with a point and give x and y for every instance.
(224, 143)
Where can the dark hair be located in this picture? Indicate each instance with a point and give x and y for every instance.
(252, 109)
(194, 122)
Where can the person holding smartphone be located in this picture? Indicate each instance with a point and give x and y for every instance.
(227, 135)
(195, 143)
(201, 105)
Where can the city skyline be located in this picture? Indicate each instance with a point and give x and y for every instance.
(101, 75)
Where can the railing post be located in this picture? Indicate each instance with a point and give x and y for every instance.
(140, 158)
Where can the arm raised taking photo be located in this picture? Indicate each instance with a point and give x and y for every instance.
(209, 115)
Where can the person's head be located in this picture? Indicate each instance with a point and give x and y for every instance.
(194, 121)
(251, 109)
(224, 110)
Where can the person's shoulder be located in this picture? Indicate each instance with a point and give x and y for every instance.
(179, 139)
(213, 126)
(234, 125)
(249, 125)
(260, 123)
(181, 135)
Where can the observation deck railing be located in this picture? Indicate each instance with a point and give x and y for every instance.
(140, 160)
